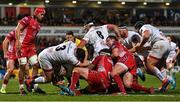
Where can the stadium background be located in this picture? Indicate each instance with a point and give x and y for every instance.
(66, 15)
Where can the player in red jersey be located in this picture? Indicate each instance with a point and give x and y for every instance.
(125, 66)
(9, 50)
(96, 74)
(26, 32)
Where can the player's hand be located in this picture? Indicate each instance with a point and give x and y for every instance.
(138, 48)
(5, 56)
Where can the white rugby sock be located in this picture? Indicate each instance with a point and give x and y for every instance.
(21, 86)
(164, 72)
(4, 86)
(40, 80)
(158, 74)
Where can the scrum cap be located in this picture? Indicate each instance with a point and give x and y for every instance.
(39, 10)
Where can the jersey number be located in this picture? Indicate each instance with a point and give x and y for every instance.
(60, 47)
(99, 33)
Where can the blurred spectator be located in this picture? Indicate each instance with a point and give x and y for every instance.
(78, 17)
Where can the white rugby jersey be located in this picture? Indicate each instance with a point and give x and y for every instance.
(128, 41)
(97, 37)
(173, 47)
(155, 34)
(63, 53)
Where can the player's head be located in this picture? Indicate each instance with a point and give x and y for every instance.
(80, 54)
(123, 31)
(105, 52)
(135, 39)
(70, 36)
(88, 25)
(138, 25)
(110, 40)
(39, 13)
(169, 37)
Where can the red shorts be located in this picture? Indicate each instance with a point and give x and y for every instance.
(97, 81)
(11, 56)
(131, 64)
(28, 51)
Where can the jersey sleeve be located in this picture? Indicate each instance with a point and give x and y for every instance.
(77, 41)
(74, 60)
(25, 21)
(144, 28)
(11, 35)
(87, 37)
(96, 60)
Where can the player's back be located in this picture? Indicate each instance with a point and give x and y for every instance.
(96, 34)
(12, 40)
(97, 37)
(103, 64)
(128, 41)
(123, 51)
(31, 28)
(62, 53)
(155, 33)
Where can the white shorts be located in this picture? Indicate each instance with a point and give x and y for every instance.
(171, 57)
(159, 49)
(44, 62)
(32, 60)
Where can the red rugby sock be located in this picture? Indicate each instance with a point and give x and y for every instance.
(138, 87)
(119, 82)
(74, 80)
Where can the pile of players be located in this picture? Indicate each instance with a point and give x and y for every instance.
(115, 65)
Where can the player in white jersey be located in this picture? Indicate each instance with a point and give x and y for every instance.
(96, 35)
(170, 61)
(160, 46)
(52, 58)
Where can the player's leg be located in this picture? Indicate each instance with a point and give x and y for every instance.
(169, 71)
(157, 52)
(10, 68)
(33, 60)
(118, 69)
(22, 62)
(130, 81)
(77, 72)
(27, 71)
(47, 77)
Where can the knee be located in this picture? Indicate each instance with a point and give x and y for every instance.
(76, 70)
(127, 84)
(10, 71)
(113, 73)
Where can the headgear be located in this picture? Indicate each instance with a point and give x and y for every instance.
(39, 10)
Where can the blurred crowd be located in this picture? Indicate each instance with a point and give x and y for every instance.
(68, 17)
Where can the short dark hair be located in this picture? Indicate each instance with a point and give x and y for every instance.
(105, 52)
(70, 33)
(135, 39)
(112, 37)
(139, 24)
(80, 54)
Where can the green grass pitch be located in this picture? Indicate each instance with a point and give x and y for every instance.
(52, 93)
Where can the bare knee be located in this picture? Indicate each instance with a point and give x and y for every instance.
(128, 80)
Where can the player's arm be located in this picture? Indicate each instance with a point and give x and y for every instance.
(84, 64)
(115, 29)
(5, 47)
(91, 66)
(82, 43)
(145, 37)
(177, 51)
(18, 30)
